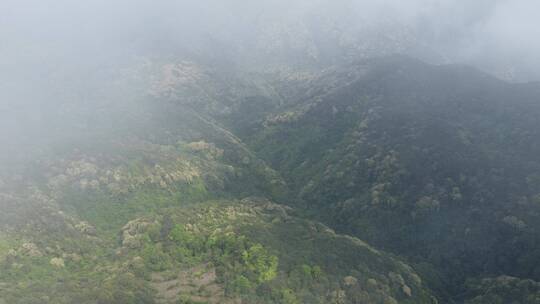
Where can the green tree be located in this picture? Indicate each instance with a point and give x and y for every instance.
(260, 262)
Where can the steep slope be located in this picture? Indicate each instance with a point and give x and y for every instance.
(437, 163)
(146, 202)
(135, 226)
(148, 205)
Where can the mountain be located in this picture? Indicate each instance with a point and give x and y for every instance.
(171, 207)
(148, 224)
(388, 180)
(435, 163)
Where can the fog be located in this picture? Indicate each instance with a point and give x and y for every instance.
(60, 55)
(494, 35)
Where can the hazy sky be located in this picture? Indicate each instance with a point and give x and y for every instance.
(44, 43)
(480, 32)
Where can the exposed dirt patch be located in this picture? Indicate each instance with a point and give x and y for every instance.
(197, 284)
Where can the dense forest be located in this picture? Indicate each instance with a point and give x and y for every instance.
(185, 153)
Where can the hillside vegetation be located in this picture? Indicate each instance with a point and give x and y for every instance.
(384, 181)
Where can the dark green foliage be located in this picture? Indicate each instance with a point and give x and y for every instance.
(502, 290)
(155, 258)
(435, 163)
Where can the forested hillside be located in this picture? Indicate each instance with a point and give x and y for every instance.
(172, 207)
(176, 180)
(436, 163)
(220, 186)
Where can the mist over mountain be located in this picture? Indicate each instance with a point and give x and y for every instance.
(269, 151)
(488, 34)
